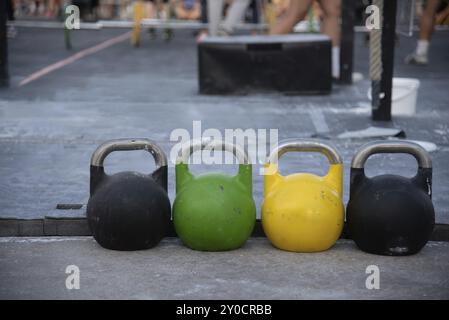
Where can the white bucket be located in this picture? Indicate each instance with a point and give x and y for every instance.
(404, 96)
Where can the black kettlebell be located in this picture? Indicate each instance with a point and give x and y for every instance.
(390, 214)
(128, 210)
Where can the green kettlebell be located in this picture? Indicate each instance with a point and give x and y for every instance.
(213, 211)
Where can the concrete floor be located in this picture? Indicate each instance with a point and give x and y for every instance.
(34, 268)
(50, 127)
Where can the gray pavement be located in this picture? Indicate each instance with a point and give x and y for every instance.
(50, 127)
(34, 268)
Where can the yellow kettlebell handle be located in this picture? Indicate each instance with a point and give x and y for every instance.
(333, 178)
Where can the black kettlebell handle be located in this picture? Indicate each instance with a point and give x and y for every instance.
(423, 177)
(97, 173)
(407, 147)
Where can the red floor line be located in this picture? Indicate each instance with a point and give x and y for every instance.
(77, 56)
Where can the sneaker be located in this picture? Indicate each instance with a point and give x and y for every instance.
(416, 59)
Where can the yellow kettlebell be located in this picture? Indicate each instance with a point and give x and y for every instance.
(303, 212)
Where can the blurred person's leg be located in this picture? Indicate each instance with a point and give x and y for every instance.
(331, 20)
(331, 27)
(214, 12)
(53, 7)
(50, 7)
(426, 25)
(150, 9)
(427, 21)
(235, 14)
(296, 12)
(442, 16)
(180, 11)
(162, 9)
(58, 8)
(281, 7)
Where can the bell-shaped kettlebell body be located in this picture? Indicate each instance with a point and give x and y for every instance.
(303, 212)
(213, 211)
(390, 214)
(128, 210)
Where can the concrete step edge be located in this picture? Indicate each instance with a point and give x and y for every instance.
(78, 226)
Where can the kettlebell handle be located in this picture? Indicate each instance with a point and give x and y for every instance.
(305, 146)
(211, 144)
(126, 145)
(407, 147)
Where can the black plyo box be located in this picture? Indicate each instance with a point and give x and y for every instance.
(291, 64)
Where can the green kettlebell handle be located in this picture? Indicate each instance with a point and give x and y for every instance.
(127, 145)
(403, 146)
(183, 175)
(305, 146)
(192, 146)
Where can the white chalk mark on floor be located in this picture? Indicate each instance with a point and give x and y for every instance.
(318, 120)
(42, 239)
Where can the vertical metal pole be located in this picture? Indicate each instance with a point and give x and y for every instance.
(383, 111)
(255, 11)
(348, 17)
(204, 11)
(4, 75)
